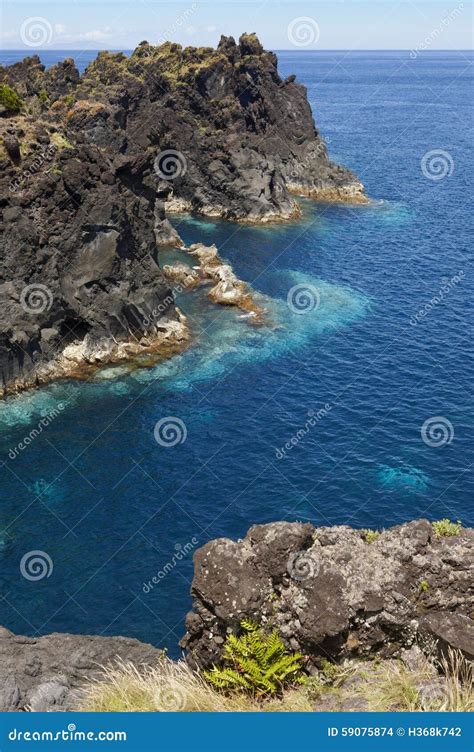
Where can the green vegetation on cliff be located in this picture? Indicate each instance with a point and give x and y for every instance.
(373, 685)
(10, 99)
(256, 663)
(445, 528)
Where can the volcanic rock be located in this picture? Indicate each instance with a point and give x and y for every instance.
(45, 673)
(331, 594)
(90, 167)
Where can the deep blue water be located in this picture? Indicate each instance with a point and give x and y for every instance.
(111, 507)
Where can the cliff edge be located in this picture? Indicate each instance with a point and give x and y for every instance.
(336, 592)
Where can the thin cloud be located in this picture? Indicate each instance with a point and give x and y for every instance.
(94, 36)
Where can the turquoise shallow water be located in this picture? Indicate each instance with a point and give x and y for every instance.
(317, 416)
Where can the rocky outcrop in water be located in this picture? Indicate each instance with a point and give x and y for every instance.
(228, 289)
(45, 673)
(90, 166)
(336, 592)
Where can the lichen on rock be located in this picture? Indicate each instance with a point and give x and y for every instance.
(329, 593)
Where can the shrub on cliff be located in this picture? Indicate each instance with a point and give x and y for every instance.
(10, 100)
(256, 663)
(370, 536)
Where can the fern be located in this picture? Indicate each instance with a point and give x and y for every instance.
(256, 663)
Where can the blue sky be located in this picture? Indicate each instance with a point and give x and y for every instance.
(334, 24)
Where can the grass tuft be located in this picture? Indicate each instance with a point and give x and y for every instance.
(172, 686)
(369, 535)
(445, 528)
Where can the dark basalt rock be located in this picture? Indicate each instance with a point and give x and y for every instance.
(45, 673)
(449, 630)
(333, 595)
(92, 164)
(78, 258)
(12, 146)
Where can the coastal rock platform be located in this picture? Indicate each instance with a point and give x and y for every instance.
(44, 673)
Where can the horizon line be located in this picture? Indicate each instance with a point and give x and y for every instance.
(274, 49)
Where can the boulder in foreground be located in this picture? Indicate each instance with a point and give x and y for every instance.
(333, 594)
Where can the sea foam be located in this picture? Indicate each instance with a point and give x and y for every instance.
(224, 341)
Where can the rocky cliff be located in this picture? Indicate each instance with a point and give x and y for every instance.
(336, 592)
(91, 164)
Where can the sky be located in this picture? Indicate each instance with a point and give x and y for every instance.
(328, 25)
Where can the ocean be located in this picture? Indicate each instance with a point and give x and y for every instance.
(353, 410)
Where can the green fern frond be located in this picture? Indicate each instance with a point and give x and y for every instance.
(249, 626)
(227, 678)
(256, 663)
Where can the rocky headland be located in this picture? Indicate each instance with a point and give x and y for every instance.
(337, 594)
(92, 164)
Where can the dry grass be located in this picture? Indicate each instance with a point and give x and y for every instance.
(459, 675)
(379, 686)
(171, 687)
(392, 686)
